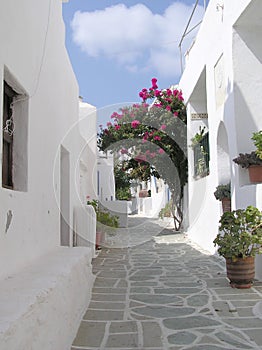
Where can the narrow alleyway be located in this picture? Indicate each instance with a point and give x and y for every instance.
(157, 290)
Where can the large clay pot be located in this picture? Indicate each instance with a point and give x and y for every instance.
(241, 272)
(226, 204)
(99, 239)
(255, 173)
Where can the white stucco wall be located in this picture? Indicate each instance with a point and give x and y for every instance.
(34, 61)
(88, 157)
(105, 177)
(222, 78)
(33, 52)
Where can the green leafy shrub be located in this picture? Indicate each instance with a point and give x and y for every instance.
(222, 191)
(104, 217)
(240, 233)
(245, 160)
(257, 138)
(166, 211)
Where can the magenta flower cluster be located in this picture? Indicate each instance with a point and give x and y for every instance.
(163, 98)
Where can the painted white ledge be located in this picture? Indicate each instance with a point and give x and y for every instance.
(42, 306)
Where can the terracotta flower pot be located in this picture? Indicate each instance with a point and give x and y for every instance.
(226, 204)
(99, 239)
(241, 273)
(255, 173)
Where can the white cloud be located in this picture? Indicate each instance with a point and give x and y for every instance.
(134, 36)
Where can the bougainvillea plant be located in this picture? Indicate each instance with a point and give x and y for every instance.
(151, 136)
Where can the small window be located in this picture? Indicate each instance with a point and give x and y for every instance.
(7, 159)
(201, 157)
(14, 134)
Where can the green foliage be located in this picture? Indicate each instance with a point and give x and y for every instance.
(257, 138)
(103, 216)
(166, 211)
(245, 160)
(198, 136)
(122, 183)
(123, 194)
(107, 219)
(156, 138)
(223, 191)
(241, 233)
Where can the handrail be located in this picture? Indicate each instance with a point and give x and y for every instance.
(186, 31)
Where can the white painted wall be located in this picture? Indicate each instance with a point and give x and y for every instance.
(43, 69)
(222, 74)
(88, 156)
(34, 61)
(105, 177)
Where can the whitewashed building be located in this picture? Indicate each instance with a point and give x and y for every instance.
(223, 86)
(45, 283)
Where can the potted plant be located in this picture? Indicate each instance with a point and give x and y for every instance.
(239, 240)
(223, 194)
(105, 221)
(253, 161)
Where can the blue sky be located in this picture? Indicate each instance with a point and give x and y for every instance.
(116, 47)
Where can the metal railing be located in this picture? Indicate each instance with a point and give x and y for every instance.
(189, 30)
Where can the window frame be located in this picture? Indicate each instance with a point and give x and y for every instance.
(7, 140)
(201, 157)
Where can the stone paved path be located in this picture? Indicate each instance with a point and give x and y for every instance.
(161, 291)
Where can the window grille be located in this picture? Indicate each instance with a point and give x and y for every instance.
(201, 157)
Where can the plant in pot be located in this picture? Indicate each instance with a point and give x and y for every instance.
(253, 161)
(105, 222)
(223, 194)
(239, 240)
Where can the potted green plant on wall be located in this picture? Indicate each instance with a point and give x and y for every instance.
(223, 194)
(239, 240)
(105, 222)
(253, 161)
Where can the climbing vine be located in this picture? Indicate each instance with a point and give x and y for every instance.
(151, 138)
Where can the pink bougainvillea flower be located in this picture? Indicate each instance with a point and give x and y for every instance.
(157, 138)
(180, 96)
(168, 108)
(124, 151)
(144, 94)
(135, 123)
(175, 92)
(163, 127)
(168, 92)
(175, 114)
(113, 115)
(109, 124)
(152, 155)
(117, 127)
(161, 151)
(140, 158)
(154, 83)
(157, 93)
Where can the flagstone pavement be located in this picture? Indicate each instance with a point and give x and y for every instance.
(155, 290)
